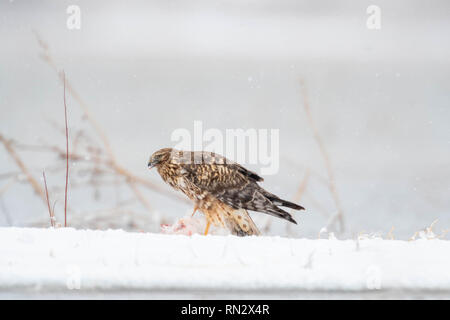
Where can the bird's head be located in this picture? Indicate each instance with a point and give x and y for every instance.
(159, 157)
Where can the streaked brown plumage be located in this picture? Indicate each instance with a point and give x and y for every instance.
(223, 190)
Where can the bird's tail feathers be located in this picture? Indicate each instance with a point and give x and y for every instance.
(279, 213)
(285, 203)
(280, 202)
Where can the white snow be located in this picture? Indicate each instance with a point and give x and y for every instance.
(64, 259)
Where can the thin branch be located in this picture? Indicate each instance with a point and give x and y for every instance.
(302, 187)
(390, 235)
(10, 175)
(331, 178)
(139, 195)
(12, 180)
(50, 212)
(67, 152)
(298, 195)
(5, 211)
(9, 148)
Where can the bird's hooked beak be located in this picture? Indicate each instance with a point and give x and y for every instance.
(152, 164)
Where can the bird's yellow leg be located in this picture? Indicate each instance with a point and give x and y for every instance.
(195, 210)
(207, 227)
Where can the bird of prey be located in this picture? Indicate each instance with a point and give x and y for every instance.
(223, 190)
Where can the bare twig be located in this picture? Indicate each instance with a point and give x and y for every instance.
(10, 175)
(50, 212)
(443, 233)
(5, 212)
(390, 235)
(33, 182)
(318, 205)
(302, 187)
(427, 233)
(8, 185)
(139, 195)
(67, 152)
(331, 178)
(298, 195)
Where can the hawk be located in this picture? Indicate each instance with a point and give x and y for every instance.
(221, 189)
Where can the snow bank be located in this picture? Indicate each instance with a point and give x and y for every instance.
(63, 259)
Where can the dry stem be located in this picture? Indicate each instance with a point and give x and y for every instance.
(50, 211)
(67, 153)
(331, 178)
(298, 195)
(8, 146)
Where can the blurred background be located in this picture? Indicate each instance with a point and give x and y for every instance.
(380, 100)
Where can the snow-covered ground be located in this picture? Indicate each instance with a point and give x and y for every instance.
(41, 263)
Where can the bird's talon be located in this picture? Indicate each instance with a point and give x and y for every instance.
(207, 228)
(195, 210)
